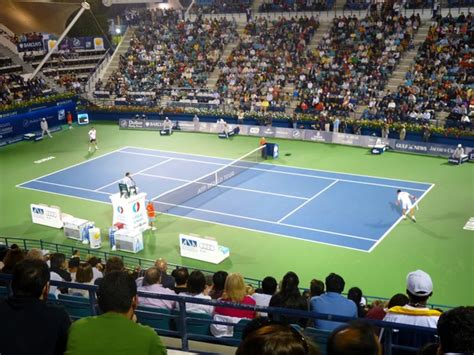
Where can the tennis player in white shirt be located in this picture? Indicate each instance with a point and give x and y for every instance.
(406, 200)
(93, 139)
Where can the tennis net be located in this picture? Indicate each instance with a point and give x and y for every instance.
(181, 194)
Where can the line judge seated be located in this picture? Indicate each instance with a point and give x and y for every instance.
(167, 127)
(127, 186)
(458, 156)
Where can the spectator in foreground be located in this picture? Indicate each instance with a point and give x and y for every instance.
(218, 280)
(269, 338)
(354, 338)
(332, 302)
(166, 280)
(114, 263)
(196, 286)
(263, 296)
(115, 331)
(30, 325)
(290, 297)
(234, 291)
(456, 331)
(152, 284)
(84, 275)
(181, 278)
(416, 312)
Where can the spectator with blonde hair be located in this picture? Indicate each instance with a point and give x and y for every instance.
(235, 292)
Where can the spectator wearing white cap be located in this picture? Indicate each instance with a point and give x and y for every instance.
(416, 312)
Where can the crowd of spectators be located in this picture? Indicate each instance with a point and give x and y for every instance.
(322, 297)
(296, 5)
(353, 62)
(267, 58)
(14, 88)
(168, 52)
(220, 6)
(440, 79)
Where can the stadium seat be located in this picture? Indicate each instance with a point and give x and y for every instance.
(4, 292)
(195, 326)
(157, 318)
(76, 306)
(239, 328)
(320, 337)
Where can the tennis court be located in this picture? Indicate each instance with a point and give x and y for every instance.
(344, 210)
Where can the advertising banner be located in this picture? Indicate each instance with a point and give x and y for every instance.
(204, 249)
(14, 125)
(30, 46)
(304, 134)
(46, 215)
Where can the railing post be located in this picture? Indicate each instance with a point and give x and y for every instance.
(387, 341)
(182, 322)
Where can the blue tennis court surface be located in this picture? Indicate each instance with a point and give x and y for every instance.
(344, 210)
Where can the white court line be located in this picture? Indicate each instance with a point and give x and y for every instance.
(308, 201)
(399, 219)
(71, 187)
(285, 166)
(173, 158)
(69, 167)
(294, 174)
(60, 194)
(226, 187)
(137, 173)
(265, 221)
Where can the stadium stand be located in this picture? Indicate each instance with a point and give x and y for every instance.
(353, 62)
(296, 5)
(183, 57)
(438, 81)
(177, 321)
(268, 56)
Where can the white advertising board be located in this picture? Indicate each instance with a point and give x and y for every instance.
(204, 249)
(46, 215)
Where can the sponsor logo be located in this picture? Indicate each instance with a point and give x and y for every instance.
(206, 247)
(269, 131)
(254, 130)
(26, 123)
(123, 123)
(295, 133)
(189, 243)
(136, 207)
(120, 209)
(37, 210)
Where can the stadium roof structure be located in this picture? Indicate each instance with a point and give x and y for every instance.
(37, 15)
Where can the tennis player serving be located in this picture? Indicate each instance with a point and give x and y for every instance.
(406, 200)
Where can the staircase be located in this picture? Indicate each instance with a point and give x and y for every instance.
(214, 76)
(120, 50)
(323, 28)
(398, 75)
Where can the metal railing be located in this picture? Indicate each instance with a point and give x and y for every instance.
(181, 318)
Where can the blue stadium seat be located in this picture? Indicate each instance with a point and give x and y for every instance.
(157, 318)
(197, 326)
(4, 292)
(76, 306)
(320, 337)
(239, 328)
